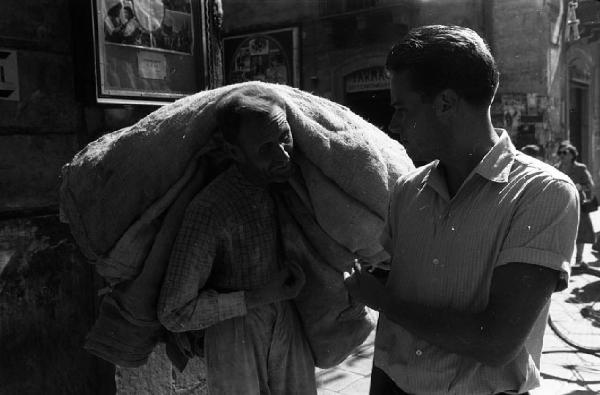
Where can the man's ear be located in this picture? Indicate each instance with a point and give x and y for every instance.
(445, 103)
(234, 151)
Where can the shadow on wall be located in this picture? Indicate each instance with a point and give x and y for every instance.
(47, 299)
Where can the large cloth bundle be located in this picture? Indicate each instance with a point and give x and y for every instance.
(124, 196)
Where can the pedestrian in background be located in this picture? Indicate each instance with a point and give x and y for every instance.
(472, 234)
(534, 151)
(578, 172)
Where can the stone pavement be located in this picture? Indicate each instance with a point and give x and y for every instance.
(565, 371)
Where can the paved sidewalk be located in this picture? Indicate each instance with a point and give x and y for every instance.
(564, 370)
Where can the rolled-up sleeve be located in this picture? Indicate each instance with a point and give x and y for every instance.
(543, 229)
(185, 302)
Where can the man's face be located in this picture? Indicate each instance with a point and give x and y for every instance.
(414, 123)
(266, 144)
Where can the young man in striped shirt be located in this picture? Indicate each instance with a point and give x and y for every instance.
(479, 236)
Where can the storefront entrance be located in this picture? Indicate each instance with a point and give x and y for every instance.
(367, 94)
(374, 106)
(578, 118)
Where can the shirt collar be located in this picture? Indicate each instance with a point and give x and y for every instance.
(241, 180)
(495, 165)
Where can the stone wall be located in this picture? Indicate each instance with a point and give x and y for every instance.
(47, 304)
(48, 290)
(520, 42)
(528, 53)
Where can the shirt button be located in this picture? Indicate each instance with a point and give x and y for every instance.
(419, 353)
(435, 261)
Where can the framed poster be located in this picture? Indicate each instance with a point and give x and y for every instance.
(270, 56)
(148, 51)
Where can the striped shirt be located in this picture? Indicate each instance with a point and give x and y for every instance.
(227, 244)
(511, 208)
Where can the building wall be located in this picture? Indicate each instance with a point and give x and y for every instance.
(520, 41)
(582, 69)
(48, 290)
(338, 38)
(529, 96)
(46, 306)
(46, 287)
(583, 56)
(525, 37)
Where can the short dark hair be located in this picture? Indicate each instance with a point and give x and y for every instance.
(253, 101)
(532, 150)
(442, 57)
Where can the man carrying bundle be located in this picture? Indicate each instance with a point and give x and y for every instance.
(226, 274)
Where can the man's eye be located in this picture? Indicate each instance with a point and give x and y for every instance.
(264, 149)
(399, 113)
(285, 138)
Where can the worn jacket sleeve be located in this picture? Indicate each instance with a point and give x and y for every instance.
(186, 302)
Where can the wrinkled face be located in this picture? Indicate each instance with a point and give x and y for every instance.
(414, 123)
(266, 145)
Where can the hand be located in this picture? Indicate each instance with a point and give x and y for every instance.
(285, 285)
(294, 282)
(365, 288)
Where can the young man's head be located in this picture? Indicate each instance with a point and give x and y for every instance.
(257, 135)
(442, 57)
(436, 73)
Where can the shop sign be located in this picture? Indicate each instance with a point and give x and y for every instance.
(369, 79)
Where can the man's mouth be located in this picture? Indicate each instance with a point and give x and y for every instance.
(281, 168)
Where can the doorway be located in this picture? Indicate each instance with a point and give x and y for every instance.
(578, 118)
(374, 106)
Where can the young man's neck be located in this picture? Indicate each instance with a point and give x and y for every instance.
(474, 139)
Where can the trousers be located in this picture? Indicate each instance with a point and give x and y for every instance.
(263, 352)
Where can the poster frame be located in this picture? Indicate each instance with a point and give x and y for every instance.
(288, 38)
(197, 62)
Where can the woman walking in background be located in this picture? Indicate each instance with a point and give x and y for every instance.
(582, 178)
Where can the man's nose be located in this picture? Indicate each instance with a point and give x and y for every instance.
(282, 153)
(394, 129)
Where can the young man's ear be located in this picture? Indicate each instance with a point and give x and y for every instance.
(234, 151)
(445, 103)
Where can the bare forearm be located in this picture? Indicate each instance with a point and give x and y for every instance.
(471, 335)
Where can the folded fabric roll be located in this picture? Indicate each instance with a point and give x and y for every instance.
(323, 305)
(124, 196)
